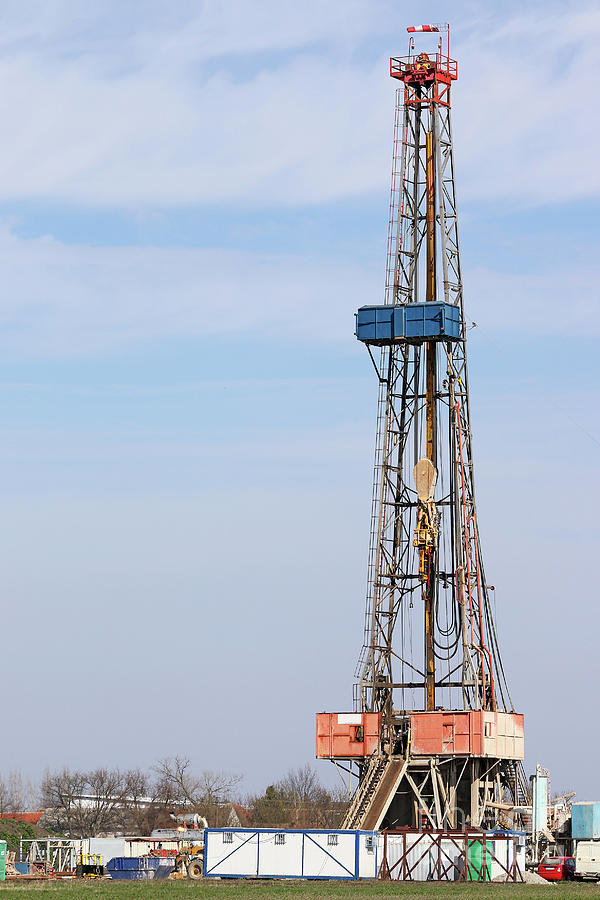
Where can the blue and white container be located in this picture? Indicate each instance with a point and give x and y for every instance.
(290, 853)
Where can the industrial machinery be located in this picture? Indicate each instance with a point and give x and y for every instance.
(433, 736)
(189, 821)
(89, 865)
(189, 861)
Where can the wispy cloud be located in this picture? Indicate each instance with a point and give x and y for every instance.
(280, 104)
(523, 128)
(61, 300)
(558, 300)
(69, 300)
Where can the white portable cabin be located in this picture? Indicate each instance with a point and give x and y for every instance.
(290, 853)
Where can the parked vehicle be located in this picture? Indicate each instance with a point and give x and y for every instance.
(557, 868)
(587, 860)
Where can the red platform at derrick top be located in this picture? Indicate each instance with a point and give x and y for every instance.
(499, 735)
(424, 70)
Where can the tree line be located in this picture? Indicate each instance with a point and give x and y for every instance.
(82, 803)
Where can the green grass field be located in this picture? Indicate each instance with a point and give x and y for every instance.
(297, 890)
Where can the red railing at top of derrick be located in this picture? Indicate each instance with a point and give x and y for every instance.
(423, 67)
(437, 71)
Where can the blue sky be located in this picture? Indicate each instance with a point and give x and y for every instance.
(193, 203)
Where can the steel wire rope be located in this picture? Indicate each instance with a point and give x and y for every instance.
(498, 657)
(444, 535)
(447, 650)
(452, 626)
(490, 626)
(490, 619)
(402, 665)
(416, 425)
(501, 678)
(452, 651)
(500, 664)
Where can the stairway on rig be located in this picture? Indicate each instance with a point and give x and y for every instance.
(375, 793)
(523, 799)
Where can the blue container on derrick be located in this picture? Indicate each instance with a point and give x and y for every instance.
(585, 820)
(411, 323)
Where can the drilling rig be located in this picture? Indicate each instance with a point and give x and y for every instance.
(433, 736)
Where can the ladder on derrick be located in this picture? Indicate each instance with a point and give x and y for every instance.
(375, 792)
(522, 795)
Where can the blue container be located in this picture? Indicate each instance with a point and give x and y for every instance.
(431, 321)
(140, 868)
(585, 820)
(411, 323)
(375, 324)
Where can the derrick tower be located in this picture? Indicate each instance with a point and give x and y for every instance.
(433, 737)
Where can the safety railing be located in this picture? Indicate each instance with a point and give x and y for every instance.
(422, 63)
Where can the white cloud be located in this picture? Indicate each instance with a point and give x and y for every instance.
(70, 300)
(554, 301)
(62, 300)
(186, 112)
(524, 123)
(267, 103)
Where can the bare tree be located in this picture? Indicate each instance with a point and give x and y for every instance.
(136, 814)
(146, 803)
(205, 794)
(16, 794)
(84, 803)
(309, 802)
(107, 795)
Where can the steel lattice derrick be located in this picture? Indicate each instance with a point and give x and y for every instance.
(433, 733)
(423, 408)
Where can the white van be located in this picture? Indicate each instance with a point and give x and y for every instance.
(587, 859)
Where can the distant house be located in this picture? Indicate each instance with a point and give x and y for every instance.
(237, 816)
(32, 818)
(92, 801)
